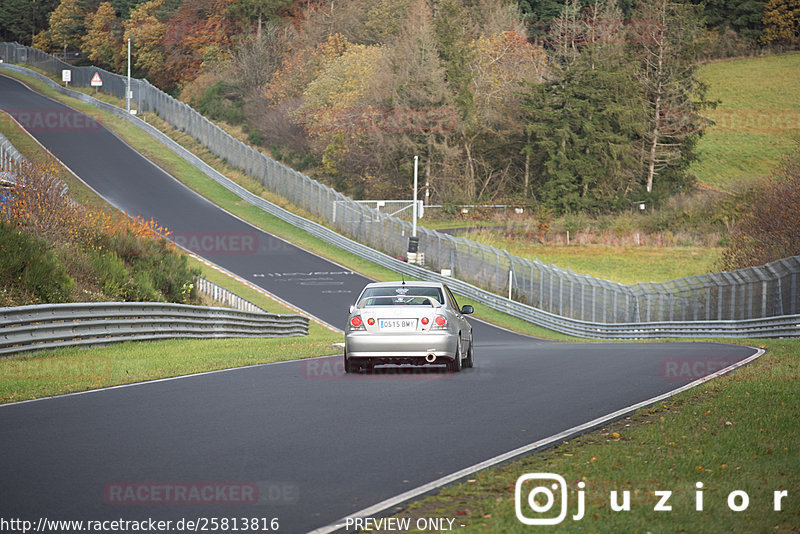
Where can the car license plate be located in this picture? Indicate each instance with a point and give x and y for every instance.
(397, 325)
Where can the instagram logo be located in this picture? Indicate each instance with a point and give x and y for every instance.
(540, 493)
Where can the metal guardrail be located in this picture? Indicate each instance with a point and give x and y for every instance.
(581, 328)
(223, 296)
(10, 158)
(25, 328)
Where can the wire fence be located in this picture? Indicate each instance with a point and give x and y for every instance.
(767, 291)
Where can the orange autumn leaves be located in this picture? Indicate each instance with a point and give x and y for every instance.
(41, 206)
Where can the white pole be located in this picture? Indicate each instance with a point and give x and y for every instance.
(510, 281)
(128, 88)
(414, 226)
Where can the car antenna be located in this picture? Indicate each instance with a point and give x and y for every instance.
(404, 278)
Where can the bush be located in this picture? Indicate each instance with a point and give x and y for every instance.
(56, 242)
(254, 137)
(770, 230)
(222, 102)
(26, 262)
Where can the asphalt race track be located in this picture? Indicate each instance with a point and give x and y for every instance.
(298, 441)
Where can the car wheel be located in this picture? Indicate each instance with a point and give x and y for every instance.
(349, 366)
(470, 361)
(455, 365)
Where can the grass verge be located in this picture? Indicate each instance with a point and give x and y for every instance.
(739, 432)
(62, 371)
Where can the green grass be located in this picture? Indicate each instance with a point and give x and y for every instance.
(58, 371)
(758, 119)
(625, 265)
(739, 432)
(629, 265)
(78, 369)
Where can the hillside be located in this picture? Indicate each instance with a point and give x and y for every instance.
(757, 119)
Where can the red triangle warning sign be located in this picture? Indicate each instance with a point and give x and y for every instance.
(96, 81)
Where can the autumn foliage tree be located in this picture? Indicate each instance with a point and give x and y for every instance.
(782, 22)
(103, 43)
(771, 229)
(147, 28)
(67, 27)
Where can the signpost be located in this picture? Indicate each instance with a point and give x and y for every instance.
(413, 241)
(66, 76)
(96, 81)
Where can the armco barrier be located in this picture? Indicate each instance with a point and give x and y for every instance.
(223, 296)
(24, 328)
(10, 159)
(689, 324)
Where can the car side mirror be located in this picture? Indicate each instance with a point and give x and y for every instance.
(467, 309)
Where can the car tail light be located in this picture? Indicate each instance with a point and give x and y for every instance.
(370, 321)
(425, 320)
(439, 321)
(356, 323)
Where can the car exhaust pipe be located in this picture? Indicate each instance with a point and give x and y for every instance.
(430, 358)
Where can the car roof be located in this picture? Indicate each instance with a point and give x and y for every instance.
(410, 283)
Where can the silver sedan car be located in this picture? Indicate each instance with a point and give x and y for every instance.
(416, 323)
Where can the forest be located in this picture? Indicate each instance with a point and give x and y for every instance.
(576, 106)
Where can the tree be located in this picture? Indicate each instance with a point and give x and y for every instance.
(67, 25)
(198, 31)
(257, 59)
(771, 230)
(583, 126)
(667, 49)
(782, 22)
(20, 19)
(147, 30)
(123, 8)
(585, 120)
(256, 12)
(102, 43)
(503, 64)
(384, 20)
(333, 112)
(414, 84)
(742, 16)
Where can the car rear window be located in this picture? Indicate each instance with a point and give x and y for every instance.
(402, 296)
(398, 300)
(407, 291)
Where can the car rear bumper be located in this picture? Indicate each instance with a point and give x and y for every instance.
(400, 347)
